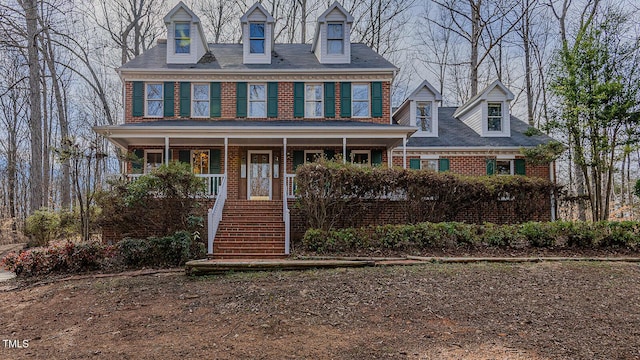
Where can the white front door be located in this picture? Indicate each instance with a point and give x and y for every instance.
(259, 179)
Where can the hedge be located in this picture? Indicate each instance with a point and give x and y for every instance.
(424, 236)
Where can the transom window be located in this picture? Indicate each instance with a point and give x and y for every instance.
(257, 100)
(152, 160)
(154, 100)
(200, 161)
(429, 164)
(361, 157)
(494, 119)
(256, 38)
(360, 100)
(423, 116)
(200, 100)
(504, 167)
(335, 39)
(183, 38)
(312, 155)
(313, 100)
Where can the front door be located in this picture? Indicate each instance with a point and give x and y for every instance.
(259, 179)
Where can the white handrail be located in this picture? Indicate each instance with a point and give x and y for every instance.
(290, 188)
(212, 182)
(214, 215)
(285, 216)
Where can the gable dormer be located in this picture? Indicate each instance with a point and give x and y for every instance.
(186, 43)
(257, 35)
(488, 113)
(332, 40)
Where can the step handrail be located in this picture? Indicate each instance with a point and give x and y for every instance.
(215, 214)
(285, 216)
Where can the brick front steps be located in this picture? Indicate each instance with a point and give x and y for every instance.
(250, 230)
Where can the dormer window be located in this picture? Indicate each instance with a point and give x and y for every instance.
(256, 38)
(335, 39)
(494, 119)
(423, 116)
(182, 38)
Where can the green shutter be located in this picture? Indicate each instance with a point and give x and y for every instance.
(138, 98)
(329, 99)
(345, 99)
(298, 158)
(298, 99)
(136, 165)
(215, 100)
(376, 99)
(185, 99)
(414, 164)
(168, 99)
(241, 99)
(491, 166)
(443, 165)
(520, 167)
(376, 157)
(329, 154)
(184, 156)
(272, 99)
(214, 161)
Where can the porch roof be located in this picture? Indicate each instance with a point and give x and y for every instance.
(251, 132)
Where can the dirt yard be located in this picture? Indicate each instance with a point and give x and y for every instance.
(481, 311)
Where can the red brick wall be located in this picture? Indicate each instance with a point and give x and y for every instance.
(285, 104)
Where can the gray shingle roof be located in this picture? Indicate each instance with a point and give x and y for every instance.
(454, 133)
(284, 57)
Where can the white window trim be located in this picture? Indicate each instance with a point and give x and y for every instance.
(146, 100)
(152, 151)
(368, 101)
(342, 39)
(266, 95)
(264, 38)
(315, 152)
(368, 152)
(175, 38)
(193, 100)
(437, 164)
(433, 125)
(502, 129)
(191, 159)
(313, 100)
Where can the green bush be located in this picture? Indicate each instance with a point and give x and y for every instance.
(42, 226)
(562, 234)
(173, 250)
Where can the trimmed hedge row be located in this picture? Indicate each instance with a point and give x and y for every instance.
(70, 257)
(560, 234)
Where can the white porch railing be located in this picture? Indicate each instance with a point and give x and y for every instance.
(212, 182)
(214, 215)
(290, 185)
(285, 215)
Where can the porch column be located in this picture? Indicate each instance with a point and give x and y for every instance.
(166, 150)
(344, 150)
(404, 152)
(226, 155)
(284, 159)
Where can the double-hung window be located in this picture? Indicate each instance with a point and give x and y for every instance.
(494, 118)
(182, 37)
(152, 160)
(257, 100)
(423, 116)
(335, 39)
(313, 104)
(200, 100)
(429, 164)
(154, 100)
(504, 167)
(256, 38)
(360, 100)
(361, 157)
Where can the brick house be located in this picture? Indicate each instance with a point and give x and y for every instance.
(245, 115)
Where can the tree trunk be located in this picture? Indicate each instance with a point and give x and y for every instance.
(475, 38)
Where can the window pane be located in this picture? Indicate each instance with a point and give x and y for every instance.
(313, 109)
(257, 109)
(495, 124)
(183, 46)
(334, 31)
(312, 156)
(183, 30)
(503, 167)
(424, 124)
(430, 165)
(361, 92)
(154, 160)
(200, 92)
(256, 31)
(201, 108)
(360, 158)
(256, 92)
(495, 110)
(200, 161)
(256, 46)
(313, 92)
(318, 109)
(154, 91)
(334, 46)
(360, 108)
(424, 109)
(154, 108)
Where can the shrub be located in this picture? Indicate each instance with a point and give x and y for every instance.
(173, 250)
(42, 226)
